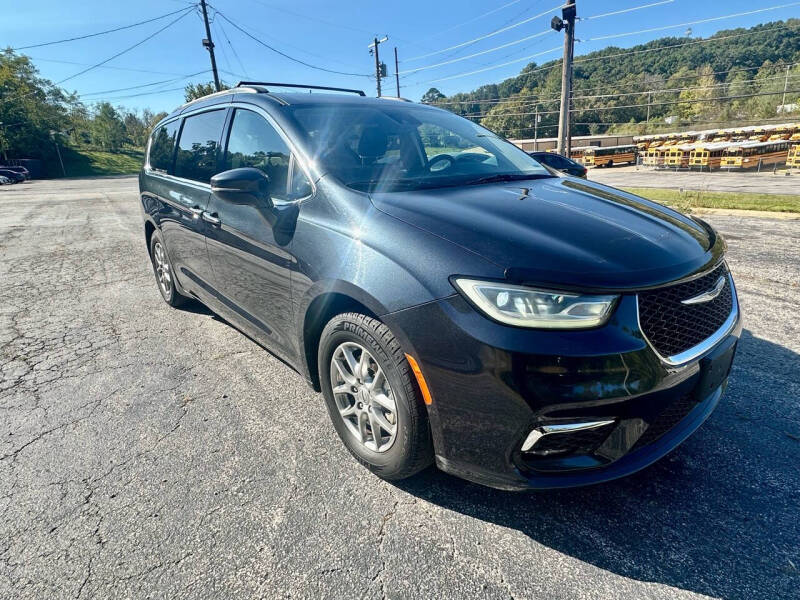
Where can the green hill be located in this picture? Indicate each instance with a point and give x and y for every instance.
(79, 162)
(734, 76)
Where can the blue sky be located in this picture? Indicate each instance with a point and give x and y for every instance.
(335, 36)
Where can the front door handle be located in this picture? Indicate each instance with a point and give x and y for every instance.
(196, 211)
(211, 218)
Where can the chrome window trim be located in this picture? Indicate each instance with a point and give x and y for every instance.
(300, 158)
(704, 346)
(544, 430)
(206, 187)
(147, 168)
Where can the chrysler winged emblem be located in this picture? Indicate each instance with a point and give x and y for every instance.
(708, 295)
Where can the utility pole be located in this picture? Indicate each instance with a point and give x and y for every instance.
(58, 151)
(785, 85)
(396, 71)
(380, 68)
(536, 130)
(208, 44)
(567, 23)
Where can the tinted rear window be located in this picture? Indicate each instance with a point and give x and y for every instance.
(197, 148)
(554, 160)
(163, 146)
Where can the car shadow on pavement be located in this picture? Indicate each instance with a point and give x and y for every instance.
(719, 516)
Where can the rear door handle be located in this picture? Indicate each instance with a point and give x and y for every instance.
(209, 218)
(196, 211)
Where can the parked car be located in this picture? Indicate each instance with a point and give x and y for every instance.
(20, 170)
(452, 299)
(560, 163)
(12, 175)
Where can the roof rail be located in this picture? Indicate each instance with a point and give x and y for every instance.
(264, 84)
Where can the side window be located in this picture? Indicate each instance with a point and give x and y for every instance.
(253, 142)
(197, 147)
(162, 147)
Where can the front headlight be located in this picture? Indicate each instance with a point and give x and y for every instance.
(528, 307)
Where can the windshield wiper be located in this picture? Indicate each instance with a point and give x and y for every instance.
(500, 177)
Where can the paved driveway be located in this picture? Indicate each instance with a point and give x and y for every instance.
(149, 452)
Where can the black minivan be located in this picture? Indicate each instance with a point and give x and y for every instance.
(453, 300)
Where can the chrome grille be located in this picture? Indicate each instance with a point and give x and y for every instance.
(673, 327)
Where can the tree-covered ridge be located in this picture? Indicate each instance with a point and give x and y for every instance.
(738, 77)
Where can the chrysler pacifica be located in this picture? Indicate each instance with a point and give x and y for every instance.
(454, 300)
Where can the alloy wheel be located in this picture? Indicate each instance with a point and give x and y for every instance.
(363, 397)
(163, 273)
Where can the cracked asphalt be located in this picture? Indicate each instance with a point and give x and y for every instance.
(147, 452)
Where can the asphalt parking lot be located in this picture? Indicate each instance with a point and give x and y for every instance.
(152, 452)
(715, 181)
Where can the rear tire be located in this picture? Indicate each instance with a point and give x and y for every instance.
(162, 269)
(356, 352)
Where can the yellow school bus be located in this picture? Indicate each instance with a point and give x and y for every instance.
(609, 156)
(678, 156)
(707, 156)
(576, 154)
(793, 158)
(751, 155)
(654, 157)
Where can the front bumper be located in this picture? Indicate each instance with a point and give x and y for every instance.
(492, 385)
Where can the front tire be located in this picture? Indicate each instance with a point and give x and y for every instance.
(372, 397)
(162, 269)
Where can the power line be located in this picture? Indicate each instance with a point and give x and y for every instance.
(731, 16)
(491, 68)
(100, 64)
(282, 42)
(455, 60)
(534, 99)
(483, 37)
(227, 39)
(486, 14)
(91, 35)
(164, 91)
(128, 49)
(69, 62)
(143, 85)
(292, 58)
(667, 103)
(517, 98)
(626, 10)
(557, 63)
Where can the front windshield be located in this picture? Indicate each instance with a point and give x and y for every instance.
(406, 147)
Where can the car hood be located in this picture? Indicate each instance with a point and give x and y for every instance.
(562, 232)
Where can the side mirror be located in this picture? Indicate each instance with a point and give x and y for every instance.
(242, 186)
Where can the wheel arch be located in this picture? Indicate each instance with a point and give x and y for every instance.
(149, 229)
(336, 298)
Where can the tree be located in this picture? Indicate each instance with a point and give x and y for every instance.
(696, 101)
(432, 95)
(193, 91)
(30, 108)
(107, 128)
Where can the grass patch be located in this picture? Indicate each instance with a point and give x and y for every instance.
(85, 163)
(688, 199)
